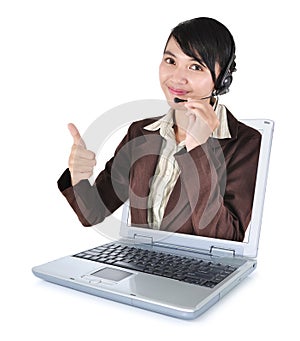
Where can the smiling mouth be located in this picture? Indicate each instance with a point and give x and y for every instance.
(177, 92)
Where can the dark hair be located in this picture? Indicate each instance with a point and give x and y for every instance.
(206, 38)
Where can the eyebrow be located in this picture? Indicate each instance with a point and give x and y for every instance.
(198, 60)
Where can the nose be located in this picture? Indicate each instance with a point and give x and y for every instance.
(179, 76)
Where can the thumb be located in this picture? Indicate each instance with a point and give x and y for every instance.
(76, 135)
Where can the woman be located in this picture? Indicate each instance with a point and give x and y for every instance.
(192, 170)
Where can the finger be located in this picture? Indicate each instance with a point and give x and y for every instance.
(192, 118)
(196, 105)
(206, 119)
(191, 102)
(203, 112)
(79, 164)
(76, 135)
(82, 152)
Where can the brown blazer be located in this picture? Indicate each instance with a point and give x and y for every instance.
(212, 197)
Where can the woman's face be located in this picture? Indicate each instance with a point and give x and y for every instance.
(184, 77)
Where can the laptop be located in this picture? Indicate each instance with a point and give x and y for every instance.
(138, 268)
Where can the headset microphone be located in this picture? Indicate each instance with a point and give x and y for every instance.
(178, 100)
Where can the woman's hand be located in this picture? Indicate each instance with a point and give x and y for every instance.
(81, 160)
(202, 122)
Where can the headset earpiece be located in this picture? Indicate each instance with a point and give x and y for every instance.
(225, 79)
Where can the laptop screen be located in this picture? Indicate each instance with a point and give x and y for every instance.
(111, 227)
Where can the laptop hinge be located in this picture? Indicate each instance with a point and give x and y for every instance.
(142, 239)
(218, 251)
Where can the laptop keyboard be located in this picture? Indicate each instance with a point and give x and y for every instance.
(187, 269)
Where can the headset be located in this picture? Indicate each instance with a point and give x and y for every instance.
(225, 78)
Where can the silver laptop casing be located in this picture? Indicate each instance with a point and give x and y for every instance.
(160, 294)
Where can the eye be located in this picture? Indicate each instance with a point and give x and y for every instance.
(170, 61)
(196, 67)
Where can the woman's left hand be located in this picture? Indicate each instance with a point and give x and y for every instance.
(202, 122)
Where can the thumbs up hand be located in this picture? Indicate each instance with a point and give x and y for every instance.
(81, 160)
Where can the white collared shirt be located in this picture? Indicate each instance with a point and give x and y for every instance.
(167, 169)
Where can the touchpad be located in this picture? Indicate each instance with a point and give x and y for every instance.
(112, 274)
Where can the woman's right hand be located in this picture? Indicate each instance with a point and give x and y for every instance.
(81, 160)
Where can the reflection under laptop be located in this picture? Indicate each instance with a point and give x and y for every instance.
(179, 274)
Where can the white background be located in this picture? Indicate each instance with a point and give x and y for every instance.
(63, 61)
